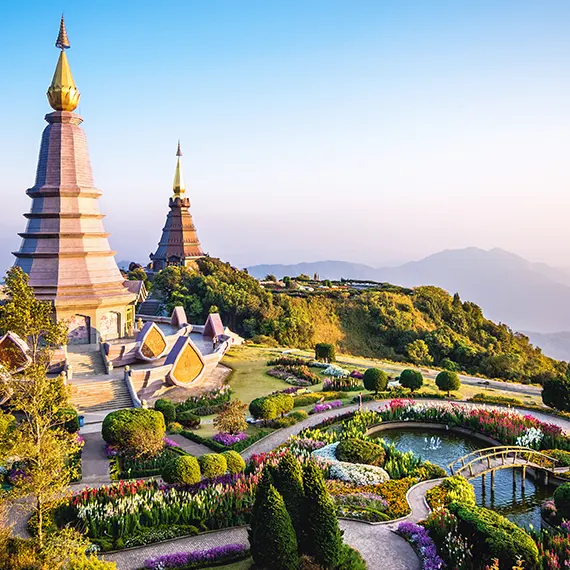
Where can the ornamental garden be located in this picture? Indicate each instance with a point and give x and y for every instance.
(297, 454)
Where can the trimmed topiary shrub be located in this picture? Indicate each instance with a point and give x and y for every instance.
(69, 419)
(188, 419)
(320, 521)
(411, 379)
(375, 380)
(234, 461)
(325, 351)
(167, 409)
(556, 393)
(288, 479)
(135, 431)
(494, 536)
(212, 465)
(263, 409)
(272, 537)
(562, 500)
(356, 450)
(182, 469)
(447, 381)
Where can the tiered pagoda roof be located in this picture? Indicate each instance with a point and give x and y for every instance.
(179, 243)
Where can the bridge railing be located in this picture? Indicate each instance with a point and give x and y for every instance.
(504, 452)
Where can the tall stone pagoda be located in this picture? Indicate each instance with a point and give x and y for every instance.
(179, 242)
(64, 249)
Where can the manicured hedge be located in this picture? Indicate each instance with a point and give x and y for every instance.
(188, 419)
(135, 431)
(356, 450)
(562, 500)
(234, 461)
(494, 536)
(212, 465)
(183, 469)
(167, 409)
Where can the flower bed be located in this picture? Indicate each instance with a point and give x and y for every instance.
(209, 399)
(215, 446)
(349, 384)
(198, 558)
(229, 439)
(392, 491)
(124, 467)
(119, 511)
(508, 427)
(420, 539)
(336, 371)
(299, 375)
(325, 406)
(356, 473)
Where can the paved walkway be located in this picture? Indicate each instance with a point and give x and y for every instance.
(190, 446)
(134, 559)
(95, 464)
(380, 546)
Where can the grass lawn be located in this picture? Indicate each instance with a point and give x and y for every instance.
(249, 379)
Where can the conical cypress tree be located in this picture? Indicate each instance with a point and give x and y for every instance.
(288, 480)
(320, 520)
(272, 537)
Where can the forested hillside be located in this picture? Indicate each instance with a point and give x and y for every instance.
(424, 325)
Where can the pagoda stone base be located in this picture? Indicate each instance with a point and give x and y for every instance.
(89, 324)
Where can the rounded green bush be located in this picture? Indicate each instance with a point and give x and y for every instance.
(234, 461)
(355, 450)
(135, 431)
(375, 380)
(212, 465)
(556, 393)
(411, 379)
(562, 500)
(298, 415)
(182, 469)
(188, 419)
(167, 409)
(447, 381)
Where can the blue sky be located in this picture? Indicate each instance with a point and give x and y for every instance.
(373, 131)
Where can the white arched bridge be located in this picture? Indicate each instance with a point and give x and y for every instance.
(490, 459)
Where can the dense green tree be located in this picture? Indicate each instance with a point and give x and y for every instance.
(375, 380)
(232, 418)
(321, 523)
(288, 479)
(411, 379)
(272, 537)
(447, 381)
(30, 318)
(418, 352)
(556, 393)
(325, 351)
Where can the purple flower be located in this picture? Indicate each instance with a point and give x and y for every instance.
(228, 439)
(178, 559)
(170, 443)
(322, 407)
(111, 450)
(419, 537)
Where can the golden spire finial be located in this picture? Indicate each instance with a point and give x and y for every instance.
(62, 41)
(179, 187)
(62, 94)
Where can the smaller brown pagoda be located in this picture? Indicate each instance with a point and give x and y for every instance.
(179, 242)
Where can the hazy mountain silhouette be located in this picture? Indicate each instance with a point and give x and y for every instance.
(527, 296)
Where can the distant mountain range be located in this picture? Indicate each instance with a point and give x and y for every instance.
(527, 296)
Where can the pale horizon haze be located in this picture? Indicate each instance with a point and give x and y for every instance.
(370, 131)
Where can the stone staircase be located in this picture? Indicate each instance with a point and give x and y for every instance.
(85, 361)
(100, 395)
(150, 307)
(91, 389)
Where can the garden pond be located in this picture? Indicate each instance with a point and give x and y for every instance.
(443, 447)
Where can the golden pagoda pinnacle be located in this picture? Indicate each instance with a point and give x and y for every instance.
(62, 93)
(178, 186)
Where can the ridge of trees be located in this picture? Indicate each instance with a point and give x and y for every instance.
(425, 325)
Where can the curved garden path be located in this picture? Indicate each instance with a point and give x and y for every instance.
(378, 543)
